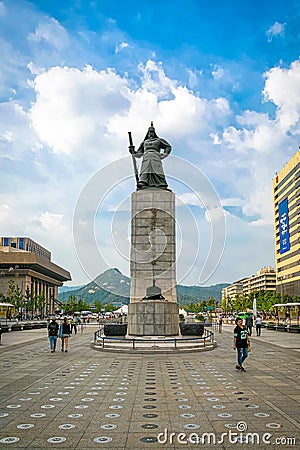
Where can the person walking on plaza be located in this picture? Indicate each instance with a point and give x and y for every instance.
(241, 343)
(249, 324)
(258, 325)
(53, 328)
(74, 325)
(220, 323)
(65, 334)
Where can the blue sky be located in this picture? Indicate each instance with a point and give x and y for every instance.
(220, 80)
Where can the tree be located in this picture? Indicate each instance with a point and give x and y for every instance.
(14, 295)
(109, 307)
(29, 300)
(72, 304)
(98, 306)
(40, 303)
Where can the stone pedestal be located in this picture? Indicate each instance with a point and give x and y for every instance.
(153, 261)
(153, 318)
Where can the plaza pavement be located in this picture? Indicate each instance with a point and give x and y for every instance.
(88, 399)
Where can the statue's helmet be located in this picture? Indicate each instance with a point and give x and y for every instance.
(151, 128)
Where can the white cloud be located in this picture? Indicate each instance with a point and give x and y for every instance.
(51, 32)
(73, 107)
(189, 198)
(6, 137)
(277, 29)
(217, 72)
(52, 221)
(121, 47)
(282, 87)
(175, 109)
(261, 145)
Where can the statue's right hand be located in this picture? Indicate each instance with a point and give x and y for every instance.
(131, 149)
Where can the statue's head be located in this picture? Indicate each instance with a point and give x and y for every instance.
(151, 132)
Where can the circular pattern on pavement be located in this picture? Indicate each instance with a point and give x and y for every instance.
(191, 426)
(108, 426)
(273, 425)
(56, 439)
(66, 426)
(187, 416)
(9, 440)
(148, 439)
(149, 426)
(102, 439)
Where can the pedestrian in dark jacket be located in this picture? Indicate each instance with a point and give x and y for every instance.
(249, 324)
(53, 328)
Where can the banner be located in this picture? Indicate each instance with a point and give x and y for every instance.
(254, 307)
(284, 232)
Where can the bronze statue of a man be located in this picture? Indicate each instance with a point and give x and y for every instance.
(153, 149)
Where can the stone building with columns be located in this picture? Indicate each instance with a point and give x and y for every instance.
(30, 266)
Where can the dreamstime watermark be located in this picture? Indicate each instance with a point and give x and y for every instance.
(240, 436)
(102, 220)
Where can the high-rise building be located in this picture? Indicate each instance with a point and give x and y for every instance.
(232, 291)
(286, 195)
(264, 280)
(30, 266)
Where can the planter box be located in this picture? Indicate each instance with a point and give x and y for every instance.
(16, 327)
(293, 330)
(5, 328)
(191, 329)
(280, 328)
(270, 327)
(28, 326)
(115, 329)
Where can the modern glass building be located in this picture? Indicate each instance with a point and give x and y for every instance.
(286, 195)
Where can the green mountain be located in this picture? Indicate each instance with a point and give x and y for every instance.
(109, 287)
(112, 286)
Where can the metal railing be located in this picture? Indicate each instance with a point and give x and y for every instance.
(135, 342)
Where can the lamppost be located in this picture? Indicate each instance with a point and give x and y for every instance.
(281, 293)
(25, 301)
(281, 279)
